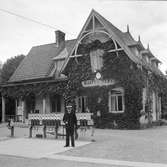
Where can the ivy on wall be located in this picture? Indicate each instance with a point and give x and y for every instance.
(132, 79)
(38, 89)
(159, 83)
(117, 66)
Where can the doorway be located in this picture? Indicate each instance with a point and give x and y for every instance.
(55, 103)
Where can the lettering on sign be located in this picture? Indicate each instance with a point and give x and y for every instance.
(91, 83)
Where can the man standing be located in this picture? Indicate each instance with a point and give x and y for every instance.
(98, 112)
(70, 121)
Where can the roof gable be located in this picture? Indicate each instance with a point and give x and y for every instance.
(95, 22)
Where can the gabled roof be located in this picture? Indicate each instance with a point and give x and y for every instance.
(128, 39)
(39, 62)
(123, 39)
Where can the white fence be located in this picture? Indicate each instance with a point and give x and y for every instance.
(59, 116)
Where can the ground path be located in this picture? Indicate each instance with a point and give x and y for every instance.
(116, 148)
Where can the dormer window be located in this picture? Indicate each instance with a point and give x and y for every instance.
(96, 57)
(147, 59)
(136, 52)
(155, 64)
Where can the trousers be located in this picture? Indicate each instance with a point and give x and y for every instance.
(70, 134)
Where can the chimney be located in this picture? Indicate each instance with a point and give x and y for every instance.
(60, 37)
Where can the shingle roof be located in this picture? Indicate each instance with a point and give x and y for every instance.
(124, 39)
(38, 62)
(128, 39)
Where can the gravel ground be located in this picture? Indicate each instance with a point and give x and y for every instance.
(9, 161)
(149, 145)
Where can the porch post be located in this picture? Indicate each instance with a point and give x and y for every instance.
(16, 119)
(24, 112)
(160, 107)
(44, 105)
(3, 109)
(144, 98)
(16, 105)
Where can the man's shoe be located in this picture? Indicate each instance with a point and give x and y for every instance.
(66, 146)
(73, 146)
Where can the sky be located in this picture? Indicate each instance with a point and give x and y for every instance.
(17, 36)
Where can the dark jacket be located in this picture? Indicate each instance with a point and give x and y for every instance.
(70, 120)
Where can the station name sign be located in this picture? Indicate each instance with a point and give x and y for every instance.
(96, 82)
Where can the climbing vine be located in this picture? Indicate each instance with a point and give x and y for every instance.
(23, 91)
(116, 66)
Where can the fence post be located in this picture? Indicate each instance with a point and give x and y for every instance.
(3, 109)
(12, 131)
(56, 131)
(30, 132)
(44, 131)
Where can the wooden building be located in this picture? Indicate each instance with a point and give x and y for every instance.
(103, 71)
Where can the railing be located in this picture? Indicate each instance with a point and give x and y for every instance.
(55, 120)
(82, 118)
(15, 118)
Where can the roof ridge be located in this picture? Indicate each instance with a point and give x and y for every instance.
(53, 43)
(107, 21)
(130, 35)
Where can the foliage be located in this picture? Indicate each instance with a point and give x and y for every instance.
(118, 67)
(10, 66)
(0, 75)
(77, 71)
(37, 89)
(131, 78)
(86, 48)
(159, 83)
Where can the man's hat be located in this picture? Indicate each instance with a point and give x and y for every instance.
(69, 105)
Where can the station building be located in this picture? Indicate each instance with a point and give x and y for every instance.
(103, 71)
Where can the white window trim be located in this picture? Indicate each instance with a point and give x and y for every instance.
(123, 100)
(96, 58)
(79, 106)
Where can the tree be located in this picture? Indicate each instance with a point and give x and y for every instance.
(0, 70)
(0, 93)
(10, 66)
(0, 75)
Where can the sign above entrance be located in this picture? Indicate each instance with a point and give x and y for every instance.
(96, 82)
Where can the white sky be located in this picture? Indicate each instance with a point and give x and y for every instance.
(145, 18)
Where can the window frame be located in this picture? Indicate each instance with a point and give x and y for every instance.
(96, 58)
(80, 104)
(54, 103)
(118, 92)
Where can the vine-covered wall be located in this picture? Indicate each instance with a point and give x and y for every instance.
(132, 79)
(159, 83)
(24, 90)
(115, 66)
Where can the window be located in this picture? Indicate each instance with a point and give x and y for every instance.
(55, 103)
(116, 102)
(147, 59)
(96, 58)
(81, 104)
(155, 64)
